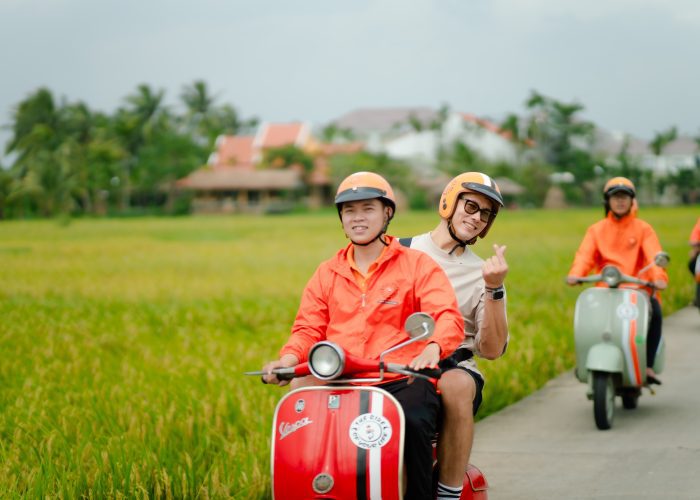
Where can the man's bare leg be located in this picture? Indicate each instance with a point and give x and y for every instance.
(455, 441)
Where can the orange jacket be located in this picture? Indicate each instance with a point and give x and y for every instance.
(695, 234)
(333, 307)
(628, 243)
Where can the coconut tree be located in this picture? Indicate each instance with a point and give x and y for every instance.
(558, 132)
(662, 139)
(205, 120)
(36, 137)
(134, 124)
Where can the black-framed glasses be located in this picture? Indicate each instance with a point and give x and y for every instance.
(471, 207)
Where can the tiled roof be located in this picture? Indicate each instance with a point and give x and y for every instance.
(274, 135)
(235, 178)
(232, 150)
(383, 119)
(246, 151)
(233, 165)
(488, 125)
(683, 145)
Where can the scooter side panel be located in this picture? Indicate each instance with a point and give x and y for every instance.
(660, 359)
(346, 439)
(619, 317)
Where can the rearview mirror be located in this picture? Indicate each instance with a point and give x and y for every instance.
(662, 259)
(419, 324)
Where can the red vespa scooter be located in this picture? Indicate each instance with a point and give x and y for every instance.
(341, 441)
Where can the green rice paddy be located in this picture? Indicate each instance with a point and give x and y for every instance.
(123, 341)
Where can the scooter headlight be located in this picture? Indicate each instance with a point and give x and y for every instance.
(326, 360)
(612, 276)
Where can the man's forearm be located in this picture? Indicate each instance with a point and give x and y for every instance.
(493, 332)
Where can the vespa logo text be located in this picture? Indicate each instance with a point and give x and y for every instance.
(286, 428)
(369, 431)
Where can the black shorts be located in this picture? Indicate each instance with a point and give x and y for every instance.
(452, 363)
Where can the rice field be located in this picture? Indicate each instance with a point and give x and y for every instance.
(123, 341)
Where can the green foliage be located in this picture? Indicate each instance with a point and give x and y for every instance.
(285, 157)
(556, 130)
(534, 178)
(459, 158)
(333, 133)
(663, 139)
(70, 159)
(687, 184)
(123, 341)
(204, 120)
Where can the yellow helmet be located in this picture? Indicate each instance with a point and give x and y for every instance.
(617, 185)
(365, 186)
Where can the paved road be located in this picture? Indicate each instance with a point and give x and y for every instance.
(547, 445)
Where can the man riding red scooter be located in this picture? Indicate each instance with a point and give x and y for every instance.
(360, 300)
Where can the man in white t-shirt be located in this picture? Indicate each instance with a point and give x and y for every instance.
(468, 206)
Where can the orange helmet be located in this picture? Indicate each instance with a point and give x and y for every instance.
(617, 185)
(470, 181)
(365, 186)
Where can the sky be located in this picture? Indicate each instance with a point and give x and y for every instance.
(633, 64)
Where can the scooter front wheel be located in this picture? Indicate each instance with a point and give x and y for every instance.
(603, 400)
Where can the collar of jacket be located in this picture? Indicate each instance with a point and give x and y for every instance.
(341, 265)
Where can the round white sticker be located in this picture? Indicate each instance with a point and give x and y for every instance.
(369, 431)
(627, 311)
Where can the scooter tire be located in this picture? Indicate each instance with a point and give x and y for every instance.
(603, 400)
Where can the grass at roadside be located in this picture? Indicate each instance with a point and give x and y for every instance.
(122, 342)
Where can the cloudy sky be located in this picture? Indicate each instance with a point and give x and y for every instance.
(633, 64)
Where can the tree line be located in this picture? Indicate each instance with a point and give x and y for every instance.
(69, 159)
(552, 141)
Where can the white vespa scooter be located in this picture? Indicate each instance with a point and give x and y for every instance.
(610, 333)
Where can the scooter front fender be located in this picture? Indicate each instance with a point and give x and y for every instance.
(605, 358)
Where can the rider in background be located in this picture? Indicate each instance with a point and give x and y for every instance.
(630, 244)
(360, 299)
(468, 206)
(693, 265)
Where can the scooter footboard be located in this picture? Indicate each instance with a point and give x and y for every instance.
(337, 443)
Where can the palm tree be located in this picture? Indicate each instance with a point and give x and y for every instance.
(197, 99)
(34, 125)
(511, 125)
(36, 138)
(199, 105)
(662, 139)
(134, 125)
(206, 121)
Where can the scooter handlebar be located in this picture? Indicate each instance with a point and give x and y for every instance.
(425, 373)
(286, 373)
(618, 280)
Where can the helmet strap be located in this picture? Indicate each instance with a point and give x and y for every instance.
(460, 243)
(378, 237)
